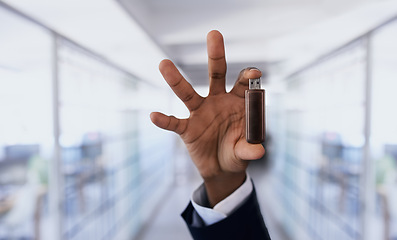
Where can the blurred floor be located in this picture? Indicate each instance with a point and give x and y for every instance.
(263, 180)
(168, 224)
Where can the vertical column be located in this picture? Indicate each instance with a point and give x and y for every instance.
(55, 176)
(368, 173)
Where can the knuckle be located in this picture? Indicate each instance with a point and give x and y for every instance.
(188, 97)
(217, 75)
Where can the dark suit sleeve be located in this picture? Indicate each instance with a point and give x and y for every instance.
(245, 223)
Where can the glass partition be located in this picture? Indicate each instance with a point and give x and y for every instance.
(99, 141)
(384, 131)
(79, 157)
(26, 128)
(322, 160)
(115, 165)
(336, 166)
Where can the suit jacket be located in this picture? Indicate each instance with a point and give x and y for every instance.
(245, 223)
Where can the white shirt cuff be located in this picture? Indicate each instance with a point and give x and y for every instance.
(225, 207)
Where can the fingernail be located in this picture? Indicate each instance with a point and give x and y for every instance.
(255, 69)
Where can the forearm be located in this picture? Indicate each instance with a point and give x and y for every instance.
(221, 186)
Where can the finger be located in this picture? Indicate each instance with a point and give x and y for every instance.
(242, 82)
(216, 62)
(248, 151)
(179, 85)
(170, 123)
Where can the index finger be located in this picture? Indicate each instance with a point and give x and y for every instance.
(180, 86)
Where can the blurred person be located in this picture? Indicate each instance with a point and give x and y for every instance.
(225, 206)
(26, 205)
(386, 188)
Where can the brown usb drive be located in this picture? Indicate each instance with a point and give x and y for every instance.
(255, 112)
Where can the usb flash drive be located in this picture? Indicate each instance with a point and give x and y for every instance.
(255, 112)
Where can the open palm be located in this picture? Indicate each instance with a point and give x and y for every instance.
(214, 133)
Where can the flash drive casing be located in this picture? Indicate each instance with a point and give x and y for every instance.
(255, 112)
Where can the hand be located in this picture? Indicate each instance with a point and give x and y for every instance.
(214, 133)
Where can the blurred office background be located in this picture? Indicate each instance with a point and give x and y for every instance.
(80, 159)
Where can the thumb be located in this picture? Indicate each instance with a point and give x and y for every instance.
(248, 151)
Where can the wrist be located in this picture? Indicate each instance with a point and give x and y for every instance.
(221, 186)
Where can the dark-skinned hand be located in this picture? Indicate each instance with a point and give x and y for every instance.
(214, 133)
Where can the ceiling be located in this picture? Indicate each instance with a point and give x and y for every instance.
(102, 26)
(274, 35)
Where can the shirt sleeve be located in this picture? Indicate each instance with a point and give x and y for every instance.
(207, 216)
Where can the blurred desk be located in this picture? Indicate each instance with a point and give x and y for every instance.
(7, 162)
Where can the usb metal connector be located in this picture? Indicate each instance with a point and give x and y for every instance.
(255, 83)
